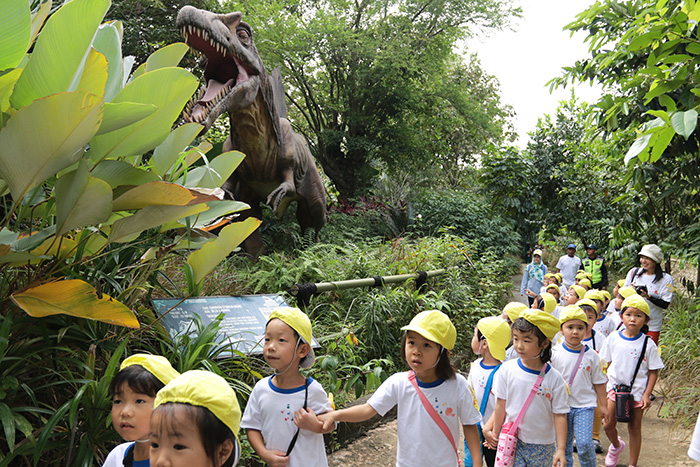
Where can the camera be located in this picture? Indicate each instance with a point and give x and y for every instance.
(622, 388)
(639, 289)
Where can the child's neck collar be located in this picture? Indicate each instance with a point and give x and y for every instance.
(489, 359)
(289, 380)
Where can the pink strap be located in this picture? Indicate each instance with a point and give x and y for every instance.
(578, 362)
(433, 414)
(534, 390)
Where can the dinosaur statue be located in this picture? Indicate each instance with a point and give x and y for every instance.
(278, 167)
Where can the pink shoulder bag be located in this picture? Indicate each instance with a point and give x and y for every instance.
(508, 438)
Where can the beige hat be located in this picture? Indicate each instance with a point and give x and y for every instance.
(653, 252)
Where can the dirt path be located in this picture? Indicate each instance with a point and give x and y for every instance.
(663, 445)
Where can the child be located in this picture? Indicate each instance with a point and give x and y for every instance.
(491, 337)
(545, 418)
(586, 388)
(195, 423)
(133, 391)
(622, 351)
(511, 312)
(279, 428)
(622, 294)
(425, 347)
(603, 324)
(593, 339)
(575, 293)
(608, 299)
(585, 283)
(553, 289)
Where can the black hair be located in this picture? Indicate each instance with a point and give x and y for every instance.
(658, 272)
(540, 302)
(212, 431)
(524, 326)
(443, 369)
(479, 335)
(139, 379)
(645, 328)
(586, 308)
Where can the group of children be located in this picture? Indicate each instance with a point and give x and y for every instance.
(541, 370)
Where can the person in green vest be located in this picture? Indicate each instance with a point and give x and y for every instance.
(595, 265)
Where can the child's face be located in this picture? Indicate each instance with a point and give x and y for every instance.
(571, 297)
(634, 319)
(131, 413)
(421, 355)
(574, 332)
(176, 442)
(280, 349)
(592, 317)
(527, 345)
(554, 292)
(599, 305)
(618, 301)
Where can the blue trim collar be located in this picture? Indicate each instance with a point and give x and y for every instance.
(563, 344)
(279, 390)
(487, 367)
(534, 372)
(630, 338)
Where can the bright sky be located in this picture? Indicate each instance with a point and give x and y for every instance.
(525, 59)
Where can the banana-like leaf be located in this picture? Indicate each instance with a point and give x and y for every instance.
(94, 77)
(167, 56)
(30, 242)
(215, 173)
(204, 260)
(7, 84)
(81, 200)
(46, 137)
(7, 236)
(167, 152)
(108, 42)
(118, 173)
(74, 298)
(38, 17)
(128, 228)
(60, 50)
(160, 193)
(149, 132)
(58, 247)
(216, 209)
(118, 116)
(15, 32)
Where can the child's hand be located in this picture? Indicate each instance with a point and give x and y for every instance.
(604, 414)
(646, 401)
(559, 458)
(306, 420)
(274, 458)
(490, 439)
(328, 421)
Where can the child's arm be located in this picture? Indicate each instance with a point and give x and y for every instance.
(307, 420)
(602, 400)
(560, 429)
(471, 436)
(651, 382)
(273, 458)
(492, 428)
(358, 413)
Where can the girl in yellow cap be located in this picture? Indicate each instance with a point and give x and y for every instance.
(433, 399)
(195, 423)
(133, 390)
(542, 430)
(622, 352)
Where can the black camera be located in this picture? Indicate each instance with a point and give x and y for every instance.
(639, 289)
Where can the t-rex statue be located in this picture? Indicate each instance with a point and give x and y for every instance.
(278, 167)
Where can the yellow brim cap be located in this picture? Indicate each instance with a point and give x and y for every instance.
(572, 312)
(585, 282)
(589, 302)
(594, 294)
(297, 320)
(636, 301)
(545, 322)
(580, 291)
(434, 325)
(513, 310)
(158, 366)
(627, 291)
(497, 333)
(550, 303)
(553, 286)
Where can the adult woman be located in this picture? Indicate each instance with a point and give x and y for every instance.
(653, 284)
(533, 277)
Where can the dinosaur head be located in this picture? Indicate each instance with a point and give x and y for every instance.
(233, 71)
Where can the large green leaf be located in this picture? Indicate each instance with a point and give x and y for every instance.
(167, 152)
(204, 260)
(108, 42)
(216, 209)
(685, 122)
(215, 173)
(45, 137)
(15, 32)
(30, 242)
(118, 173)
(166, 56)
(7, 84)
(160, 193)
(60, 50)
(123, 114)
(81, 200)
(129, 228)
(94, 77)
(74, 298)
(166, 88)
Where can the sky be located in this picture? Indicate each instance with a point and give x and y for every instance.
(530, 55)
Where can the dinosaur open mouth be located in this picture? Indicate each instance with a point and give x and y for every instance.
(223, 72)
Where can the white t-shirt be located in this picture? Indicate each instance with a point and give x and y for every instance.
(513, 383)
(605, 325)
(270, 410)
(662, 289)
(596, 340)
(115, 458)
(421, 442)
(622, 353)
(477, 379)
(694, 449)
(568, 267)
(511, 353)
(581, 391)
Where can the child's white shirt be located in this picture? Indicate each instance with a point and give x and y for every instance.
(270, 410)
(511, 353)
(115, 458)
(622, 353)
(596, 340)
(421, 442)
(694, 449)
(513, 383)
(604, 325)
(557, 311)
(477, 379)
(581, 391)
(615, 318)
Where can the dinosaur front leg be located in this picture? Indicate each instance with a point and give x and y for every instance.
(285, 189)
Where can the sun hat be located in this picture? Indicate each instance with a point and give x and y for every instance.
(297, 320)
(571, 245)
(636, 301)
(587, 302)
(559, 277)
(434, 325)
(545, 322)
(621, 283)
(594, 294)
(550, 303)
(652, 251)
(553, 286)
(585, 282)
(514, 309)
(537, 252)
(497, 333)
(627, 291)
(580, 291)
(204, 389)
(606, 294)
(158, 366)
(572, 312)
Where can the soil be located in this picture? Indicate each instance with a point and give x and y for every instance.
(663, 444)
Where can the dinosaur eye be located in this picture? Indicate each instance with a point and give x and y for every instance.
(242, 35)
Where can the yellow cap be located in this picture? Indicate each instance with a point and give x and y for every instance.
(545, 322)
(606, 294)
(573, 312)
(580, 291)
(585, 283)
(589, 302)
(627, 291)
(621, 283)
(158, 366)
(497, 333)
(553, 286)
(559, 277)
(434, 325)
(549, 302)
(513, 310)
(581, 275)
(548, 275)
(204, 389)
(297, 320)
(636, 301)
(594, 294)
